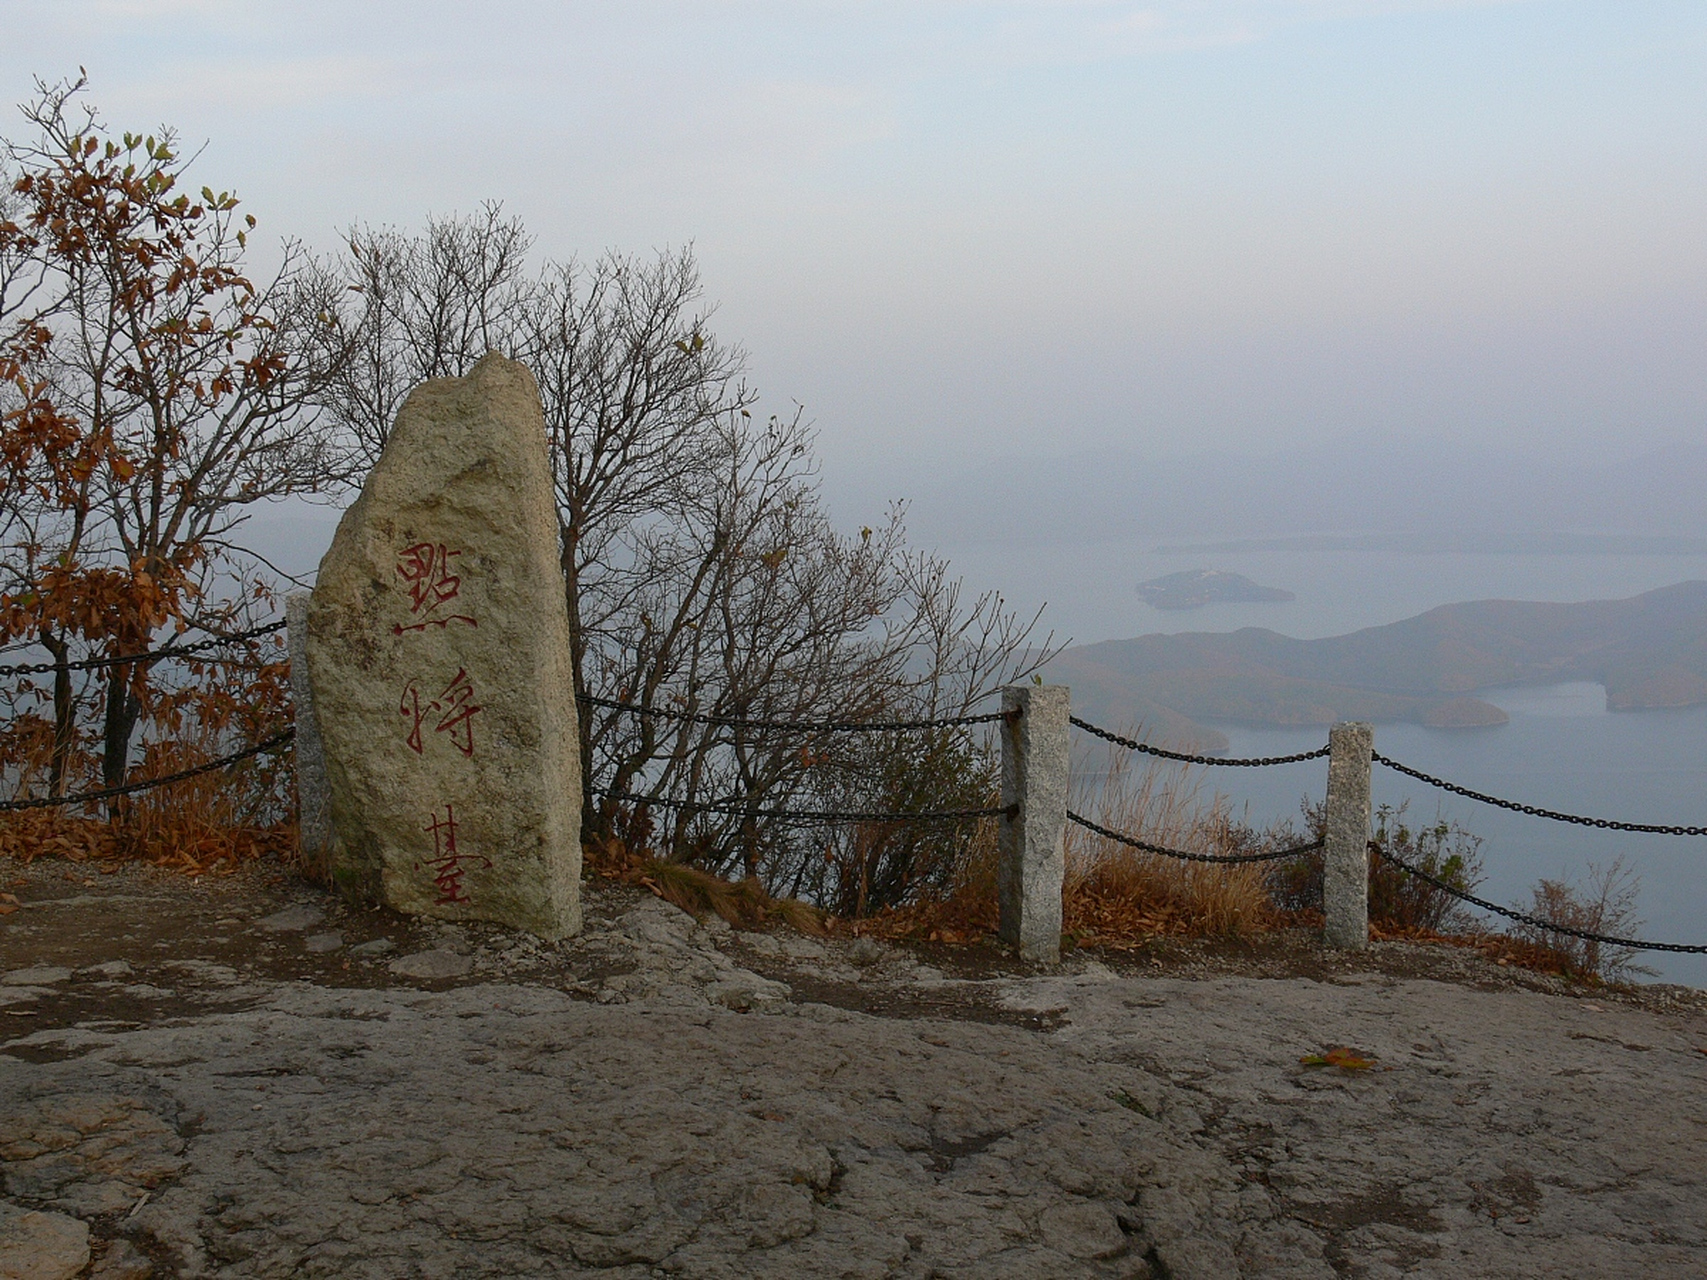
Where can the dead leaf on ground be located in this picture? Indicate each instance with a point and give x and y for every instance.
(1346, 1059)
(8, 904)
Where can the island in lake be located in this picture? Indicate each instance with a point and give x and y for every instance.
(1194, 588)
(1649, 651)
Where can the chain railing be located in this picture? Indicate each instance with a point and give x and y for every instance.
(152, 655)
(790, 726)
(1534, 922)
(805, 817)
(741, 808)
(1604, 824)
(149, 784)
(1519, 917)
(1216, 859)
(1248, 762)
(195, 650)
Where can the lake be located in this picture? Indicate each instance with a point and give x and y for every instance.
(1090, 588)
(1562, 749)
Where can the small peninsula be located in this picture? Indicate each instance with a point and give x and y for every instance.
(1194, 588)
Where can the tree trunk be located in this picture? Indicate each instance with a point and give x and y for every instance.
(64, 713)
(122, 709)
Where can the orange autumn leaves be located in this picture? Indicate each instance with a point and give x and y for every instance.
(1342, 1057)
(149, 391)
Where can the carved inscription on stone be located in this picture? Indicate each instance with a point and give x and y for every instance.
(439, 655)
(452, 712)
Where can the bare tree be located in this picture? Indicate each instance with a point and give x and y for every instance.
(702, 575)
(430, 306)
(641, 405)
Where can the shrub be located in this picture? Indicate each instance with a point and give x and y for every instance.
(212, 821)
(1398, 903)
(1607, 905)
(1402, 903)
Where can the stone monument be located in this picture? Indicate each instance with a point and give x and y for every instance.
(438, 651)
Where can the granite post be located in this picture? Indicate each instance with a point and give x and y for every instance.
(438, 648)
(1031, 861)
(313, 793)
(1345, 855)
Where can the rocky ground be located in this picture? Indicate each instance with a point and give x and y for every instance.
(243, 1077)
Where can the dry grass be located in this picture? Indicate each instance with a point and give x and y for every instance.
(743, 903)
(1117, 896)
(1605, 904)
(1501, 948)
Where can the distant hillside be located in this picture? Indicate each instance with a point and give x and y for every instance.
(1649, 651)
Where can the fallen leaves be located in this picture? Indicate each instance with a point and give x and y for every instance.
(9, 903)
(199, 829)
(1346, 1059)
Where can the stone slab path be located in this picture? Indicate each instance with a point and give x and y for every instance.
(248, 1079)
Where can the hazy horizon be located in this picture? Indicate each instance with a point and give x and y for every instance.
(1061, 275)
(1026, 227)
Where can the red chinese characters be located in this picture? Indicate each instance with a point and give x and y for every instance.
(425, 567)
(448, 864)
(454, 708)
(434, 596)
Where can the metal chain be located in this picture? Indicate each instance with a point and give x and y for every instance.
(1606, 824)
(1219, 859)
(1250, 762)
(735, 808)
(147, 784)
(1634, 944)
(94, 664)
(793, 726)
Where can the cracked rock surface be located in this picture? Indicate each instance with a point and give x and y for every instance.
(197, 1083)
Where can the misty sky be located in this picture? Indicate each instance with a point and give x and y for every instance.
(953, 228)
